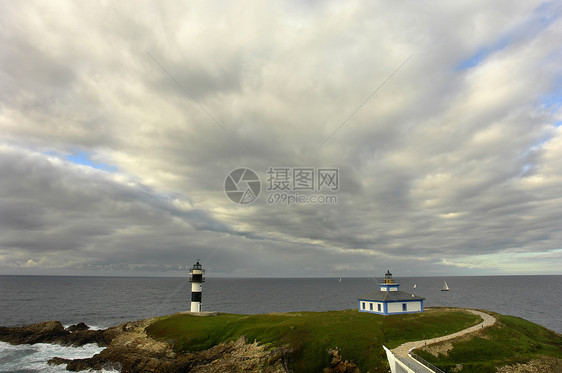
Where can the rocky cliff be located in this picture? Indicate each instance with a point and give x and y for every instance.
(129, 349)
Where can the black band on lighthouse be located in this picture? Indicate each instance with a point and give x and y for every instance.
(196, 296)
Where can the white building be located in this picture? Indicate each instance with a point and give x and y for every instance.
(389, 300)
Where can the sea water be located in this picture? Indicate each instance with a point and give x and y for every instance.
(106, 301)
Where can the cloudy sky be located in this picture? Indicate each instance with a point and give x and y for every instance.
(120, 121)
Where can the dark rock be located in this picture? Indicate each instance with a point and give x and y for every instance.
(43, 332)
(78, 327)
(81, 338)
(58, 361)
(129, 360)
(337, 365)
(54, 332)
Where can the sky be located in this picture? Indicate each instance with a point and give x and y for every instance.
(438, 125)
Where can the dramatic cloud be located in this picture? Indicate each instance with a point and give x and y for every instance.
(120, 121)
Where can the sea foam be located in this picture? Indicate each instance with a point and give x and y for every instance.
(34, 358)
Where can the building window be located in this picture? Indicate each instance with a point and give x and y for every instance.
(379, 307)
(363, 305)
(371, 306)
(403, 306)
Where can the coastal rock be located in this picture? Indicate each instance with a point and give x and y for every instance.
(79, 338)
(78, 327)
(54, 332)
(546, 365)
(337, 365)
(43, 332)
(131, 350)
(236, 356)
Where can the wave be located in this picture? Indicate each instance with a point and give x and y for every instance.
(91, 327)
(34, 358)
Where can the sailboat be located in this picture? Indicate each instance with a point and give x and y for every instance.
(415, 286)
(445, 286)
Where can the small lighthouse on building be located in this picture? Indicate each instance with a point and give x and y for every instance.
(389, 300)
(196, 278)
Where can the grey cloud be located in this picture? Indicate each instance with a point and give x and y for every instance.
(441, 163)
(49, 205)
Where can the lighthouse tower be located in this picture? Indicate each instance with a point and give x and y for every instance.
(196, 280)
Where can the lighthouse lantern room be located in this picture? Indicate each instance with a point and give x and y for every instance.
(389, 284)
(197, 281)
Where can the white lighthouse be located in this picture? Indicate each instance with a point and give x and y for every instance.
(197, 281)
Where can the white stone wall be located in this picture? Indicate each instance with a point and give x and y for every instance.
(395, 307)
(375, 306)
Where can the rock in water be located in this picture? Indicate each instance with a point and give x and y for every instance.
(54, 332)
(43, 332)
(78, 327)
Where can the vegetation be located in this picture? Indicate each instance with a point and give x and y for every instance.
(310, 335)
(511, 340)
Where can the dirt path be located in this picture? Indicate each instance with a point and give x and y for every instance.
(403, 350)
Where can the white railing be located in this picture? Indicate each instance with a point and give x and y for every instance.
(426, 363)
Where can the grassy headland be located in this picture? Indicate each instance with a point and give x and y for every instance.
(309, 335)
(511, 340)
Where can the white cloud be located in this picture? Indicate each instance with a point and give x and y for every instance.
(441, 162)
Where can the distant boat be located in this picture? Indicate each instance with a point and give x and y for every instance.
(415, 286)
(339, 280)
(445, 286)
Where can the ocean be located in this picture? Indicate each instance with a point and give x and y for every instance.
(106, 301)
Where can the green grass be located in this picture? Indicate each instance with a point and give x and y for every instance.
(359, 336)
(512, 340)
